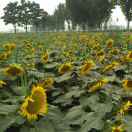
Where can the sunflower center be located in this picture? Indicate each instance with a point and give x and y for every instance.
(130, 56)
(87, 67)
(14, 71)
(117, 130)
(65, 68)
(35, 106)
(129, 84)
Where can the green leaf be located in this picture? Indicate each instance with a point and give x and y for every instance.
(36, 74)
(6, 109)
(54, 113)
(45, 126)
(63, 100)
(92, 120)
(63, 78)
(13, 100)
(20, 90)
(6, 122)
(86, 101)
(128, 124)
(95, 105)
(40, 126)
(51, 66)
(74, 115)
(102, 108)
(20, 120)
(74, 93)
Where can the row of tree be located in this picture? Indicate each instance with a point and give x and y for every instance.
(82, 13)
(94, 13)
(23, 14)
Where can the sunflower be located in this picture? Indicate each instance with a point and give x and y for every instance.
(117, 129)
(45, 57)
(96, 46)
(127, 84)
(114, 51)
(100, 55)
(2, 83)
(86, 67)
(28, 45)
(3, 56)
(34, 105)
(125, 108)
(48, 83)
(123, 59)
(13, 70)
(129, 56)
(9, 46)
(109, 43)
(8, 54)
(65, 68)
(98, 85)
(111, 67)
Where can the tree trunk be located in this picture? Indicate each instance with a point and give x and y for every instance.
(26, 28)
(15, 28)
(106, 25)
(43, 27)
(83, 26)
(74, 26)
(36, 28)
(128, 25)
(100, 26)
(69, 28)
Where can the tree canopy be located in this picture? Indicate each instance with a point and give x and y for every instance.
(11, 14)
(84, 13)
(89, 12)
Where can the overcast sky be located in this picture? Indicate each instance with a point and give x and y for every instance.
(50, 5)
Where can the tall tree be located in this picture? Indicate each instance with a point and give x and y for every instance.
(39, 20)
(89, 12)
(44, 17)
(60, 16)
(126, 6)
(11, 14)
(35, 14)
(50, 23)
(25, 13)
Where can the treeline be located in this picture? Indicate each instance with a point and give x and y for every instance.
(88, 14)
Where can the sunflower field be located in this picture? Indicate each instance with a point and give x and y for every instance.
(66, 82)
